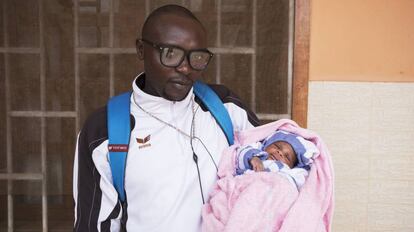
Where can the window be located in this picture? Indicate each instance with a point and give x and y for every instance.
(60, 60)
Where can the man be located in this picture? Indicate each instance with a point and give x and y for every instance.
(165, 188)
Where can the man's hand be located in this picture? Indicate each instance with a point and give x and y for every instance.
(257, 164)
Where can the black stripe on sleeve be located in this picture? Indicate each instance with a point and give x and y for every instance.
(92, 135)
(106, 225)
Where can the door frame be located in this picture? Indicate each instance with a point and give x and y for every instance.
(300, 80)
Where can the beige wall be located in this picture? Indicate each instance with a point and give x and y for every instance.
(362, 40)
(369, 131)
(361, 101)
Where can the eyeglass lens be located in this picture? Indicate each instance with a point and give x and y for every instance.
(172, 56)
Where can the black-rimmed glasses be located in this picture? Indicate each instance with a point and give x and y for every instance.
(172, 56)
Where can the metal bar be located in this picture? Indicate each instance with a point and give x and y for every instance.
(218, 42)
(47, 114)
(43, 148)
(111, 45)
(106, 50)
(21, 176)
(10, 209)
(290, 54)
(272, 116)
(19, 50)
(233, 50)
(76, 62)
(216, 50)
(253, 58)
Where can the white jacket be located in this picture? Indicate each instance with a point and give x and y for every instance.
(161, 181)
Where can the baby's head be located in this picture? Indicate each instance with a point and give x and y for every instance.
(287, 148)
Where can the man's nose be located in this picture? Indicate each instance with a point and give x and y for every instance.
(184, 67)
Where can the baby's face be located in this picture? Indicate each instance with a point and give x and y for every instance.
(282, 152)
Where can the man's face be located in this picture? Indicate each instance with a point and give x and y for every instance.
(169, 82)
(282, 152)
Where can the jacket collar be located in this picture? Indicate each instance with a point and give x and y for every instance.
(155, 104)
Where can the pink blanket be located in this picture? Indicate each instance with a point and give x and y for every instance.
(266, 201)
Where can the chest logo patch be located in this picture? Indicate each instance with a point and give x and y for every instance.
(144, 142)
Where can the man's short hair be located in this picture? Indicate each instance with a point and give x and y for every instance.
(165, 10)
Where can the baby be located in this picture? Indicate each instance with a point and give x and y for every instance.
(283, 152)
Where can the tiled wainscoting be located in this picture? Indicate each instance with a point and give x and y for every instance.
(369, 129)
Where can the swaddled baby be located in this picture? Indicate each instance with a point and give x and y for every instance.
(283, 152)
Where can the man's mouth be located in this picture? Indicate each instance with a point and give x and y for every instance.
(182, 84)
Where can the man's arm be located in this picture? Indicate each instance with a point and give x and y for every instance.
(96, 204)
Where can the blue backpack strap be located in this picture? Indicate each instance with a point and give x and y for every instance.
(119, 129)
(216, 108)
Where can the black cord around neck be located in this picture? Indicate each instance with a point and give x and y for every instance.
(192, 133)
(205, 147)
(195, 157)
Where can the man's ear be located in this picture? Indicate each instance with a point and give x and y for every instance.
(140, 49)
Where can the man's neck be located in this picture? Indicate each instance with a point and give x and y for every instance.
(145, 87)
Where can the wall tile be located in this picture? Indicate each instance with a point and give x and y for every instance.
(385, 166)
(359, 95)
(390, 141)
(391, 191)
(350, 213)
(352, 165)
(349, 216)
(384, 217)
(359, 194)
(388, 117)
(400, 96)
(370, 139)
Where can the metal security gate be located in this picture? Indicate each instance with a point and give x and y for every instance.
(60, 60)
